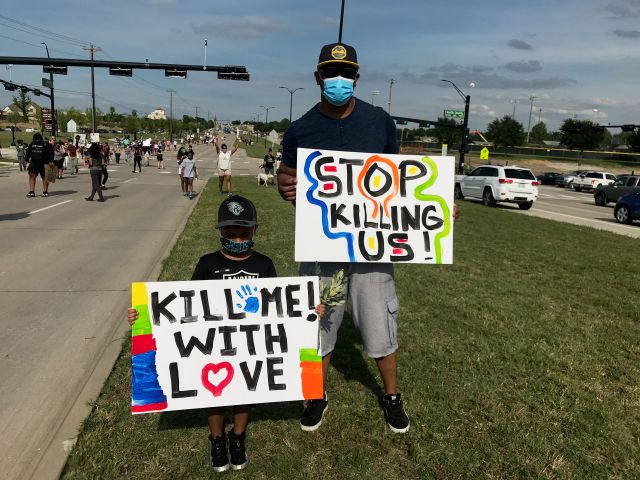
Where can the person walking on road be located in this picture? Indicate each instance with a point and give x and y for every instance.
(269, 163)
(72, 157)
(21, 149)
(137, 157)
(189, 173)
(224, 164)
(95, 170)
(39, 158)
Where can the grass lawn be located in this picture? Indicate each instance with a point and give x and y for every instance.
(522, 360)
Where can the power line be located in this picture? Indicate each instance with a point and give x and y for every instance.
(65, 38)
(38, 46)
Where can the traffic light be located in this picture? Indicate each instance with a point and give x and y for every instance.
(401, 122)
(233, 76)
(175, 73)
(425, 125)
(37, 92)
(467, 136)
(54, 69)
(12, 87)
(624, 128)
(121, 72)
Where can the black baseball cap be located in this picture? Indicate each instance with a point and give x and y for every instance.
(338, 53)
(237, 211)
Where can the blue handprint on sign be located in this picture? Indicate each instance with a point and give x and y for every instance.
(251, 305)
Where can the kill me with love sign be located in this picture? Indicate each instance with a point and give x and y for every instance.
(362, 207)
(215, 343)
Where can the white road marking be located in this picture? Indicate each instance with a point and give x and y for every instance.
(50, 206)
(589, 220)
(131, 179)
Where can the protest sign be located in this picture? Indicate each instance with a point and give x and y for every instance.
(362, 207)
(214, 343)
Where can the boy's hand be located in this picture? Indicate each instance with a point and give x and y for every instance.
(132, 316)
(321, 310)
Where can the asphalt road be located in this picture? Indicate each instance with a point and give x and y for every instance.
(66, 267)
(578, 208)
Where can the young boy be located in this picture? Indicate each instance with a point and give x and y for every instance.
(237, 222)
(189, 172)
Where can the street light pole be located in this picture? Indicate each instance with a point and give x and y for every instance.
(266, 122)
(373, 95)
(291, 92)
(391, 82)
(465, 124)
(531, 99)
(54, 120)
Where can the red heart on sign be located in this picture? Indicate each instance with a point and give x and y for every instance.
(216, 390)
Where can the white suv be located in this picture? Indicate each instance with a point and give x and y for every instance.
(592, 180)
(493, 184)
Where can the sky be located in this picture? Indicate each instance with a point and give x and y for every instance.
(578, 58)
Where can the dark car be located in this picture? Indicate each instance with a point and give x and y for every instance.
(627, 208)
(565, 179)
(623, 185)
(548, 178)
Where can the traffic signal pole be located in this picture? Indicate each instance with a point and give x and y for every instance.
(465, 129)
(54, 120)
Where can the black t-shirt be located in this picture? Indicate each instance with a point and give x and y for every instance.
(39, 153)
(269, 161)
(215, 266)
(367, 129)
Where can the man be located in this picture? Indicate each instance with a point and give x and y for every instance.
(39, 157)
(72, 154)
(21, 149)
(224, 164)
(343, 122)
(269, 163)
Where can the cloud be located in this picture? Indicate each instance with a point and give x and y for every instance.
(519, 45)
(524, 67)
(483, 111)
(243, 27)
(330, 21)
(454, 68)
(627, 33)
(623, 9)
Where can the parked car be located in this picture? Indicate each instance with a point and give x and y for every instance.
(31, 130)
(627, 208)
(592, 180)
(493, 184)
(548, 178)
(566, 179)
(623, 185)
(8, 129)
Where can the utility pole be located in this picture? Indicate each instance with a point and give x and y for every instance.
(514, 101)
(373, 94)
(539, 115)
(532, 99)
(196, 112)
(93, 49)
(389, 104)
(266, 122)
(54, 130)
(171, 92)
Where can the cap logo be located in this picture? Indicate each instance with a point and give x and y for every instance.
(339, 52)
(235, 208)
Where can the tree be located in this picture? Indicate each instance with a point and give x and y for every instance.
(539, 133)
(505, 132)
(449, 135)
(22, 102)
(13, 118)
(132, 124)
(633, 141)
(581, 134)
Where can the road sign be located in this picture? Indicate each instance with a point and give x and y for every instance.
(484, 154)
(453, 114)
(46, 82)
(58, 70)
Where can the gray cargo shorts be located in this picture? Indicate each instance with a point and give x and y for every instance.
(372, 301)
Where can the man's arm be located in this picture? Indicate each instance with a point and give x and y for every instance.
(215, 142)
(287, 182)
(236, 144)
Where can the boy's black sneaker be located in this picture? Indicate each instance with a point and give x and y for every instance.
(311, 418)
(394, 413)
(237, 451)
(218, 457)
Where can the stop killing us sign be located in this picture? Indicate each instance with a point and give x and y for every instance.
(362, 207)
(215, 343)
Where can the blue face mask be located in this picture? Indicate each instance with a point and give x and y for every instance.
(236, 249)
(338, 90)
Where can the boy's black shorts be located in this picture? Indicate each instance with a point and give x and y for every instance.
(36, 169)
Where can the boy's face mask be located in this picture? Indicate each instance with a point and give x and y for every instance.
(236, 249)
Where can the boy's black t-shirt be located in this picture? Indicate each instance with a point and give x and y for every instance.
(215, 266)
(367, 129)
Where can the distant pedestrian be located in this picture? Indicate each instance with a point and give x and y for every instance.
(189, 173)
(21, 149)
(224, 164)
(159, 157)
(127, 152)
(95, 170)
(181, 155)
(137, 157)
(117, 152)
(72, 157)
(39, 158)
(58, 159)
(269, 163)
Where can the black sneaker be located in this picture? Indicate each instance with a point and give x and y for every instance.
(218, 457)
(237, 451)
(311, 418)
(394, 413)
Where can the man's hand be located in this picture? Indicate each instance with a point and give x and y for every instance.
(456, 213)
(287, 182)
